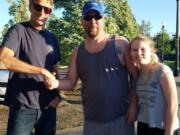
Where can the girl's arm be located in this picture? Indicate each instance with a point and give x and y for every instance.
(170, 93)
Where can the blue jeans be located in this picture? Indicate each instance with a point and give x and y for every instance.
(22, 120)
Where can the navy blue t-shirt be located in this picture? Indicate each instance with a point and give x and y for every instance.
(39, 48)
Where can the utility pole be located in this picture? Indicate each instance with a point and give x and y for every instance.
(176, 72)
(162, 47)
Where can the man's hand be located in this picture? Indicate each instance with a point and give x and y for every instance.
(131, 114)
(46, 74)
(51, 83)
(50, 79)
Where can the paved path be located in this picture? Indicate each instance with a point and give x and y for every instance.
(178, 92)
(70, 131)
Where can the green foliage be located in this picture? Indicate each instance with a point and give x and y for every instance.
(18, 9)
(168, 43)
(68, 28)
(120, 11)
(171, 64)
(7, 26)
(111, 26)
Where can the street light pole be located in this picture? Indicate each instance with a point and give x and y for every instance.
(176, 72)
(162, 53)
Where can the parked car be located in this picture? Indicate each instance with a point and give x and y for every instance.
(4, 74)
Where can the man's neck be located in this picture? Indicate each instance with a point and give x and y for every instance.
(96, 44)
(99, 38)
(37, 27)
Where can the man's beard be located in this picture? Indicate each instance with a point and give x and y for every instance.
(94, 33)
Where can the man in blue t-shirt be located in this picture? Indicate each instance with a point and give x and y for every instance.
(31, 53)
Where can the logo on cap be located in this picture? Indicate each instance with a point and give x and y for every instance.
(92, 4)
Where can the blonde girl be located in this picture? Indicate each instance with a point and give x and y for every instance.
(156, 90)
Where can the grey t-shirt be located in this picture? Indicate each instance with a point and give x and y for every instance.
(152, 105)
(39, 48)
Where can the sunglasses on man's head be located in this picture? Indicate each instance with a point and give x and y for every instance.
(39, 8)
(90, 17)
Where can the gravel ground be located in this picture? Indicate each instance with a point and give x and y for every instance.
(69, 114)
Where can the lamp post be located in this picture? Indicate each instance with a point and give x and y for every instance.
(162, 53)
(176, 72)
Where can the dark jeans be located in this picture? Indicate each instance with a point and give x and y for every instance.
(144, 129)
(22, 120)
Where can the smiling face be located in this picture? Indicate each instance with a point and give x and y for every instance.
(141, 52)
(39, 14)
(93, 26)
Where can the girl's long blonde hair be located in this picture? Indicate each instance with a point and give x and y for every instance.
(147, 40)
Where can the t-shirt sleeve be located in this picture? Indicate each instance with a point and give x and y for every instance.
(163, 69)
(12, 38)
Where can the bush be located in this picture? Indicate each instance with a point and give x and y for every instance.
(170, 56)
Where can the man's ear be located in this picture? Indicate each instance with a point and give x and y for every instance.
(104, 18)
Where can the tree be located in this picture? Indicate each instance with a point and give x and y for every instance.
(68, 29)
(145, 28)
(6, 27)
(120, 11)
(168, 43)
(19, 13)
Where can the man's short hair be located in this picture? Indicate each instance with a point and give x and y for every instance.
(50, 1)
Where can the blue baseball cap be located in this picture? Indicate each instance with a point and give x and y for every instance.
(92, 5)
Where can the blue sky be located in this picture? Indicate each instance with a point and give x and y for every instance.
(154, 11)
(3, 13)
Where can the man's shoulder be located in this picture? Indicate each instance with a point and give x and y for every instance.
(19, 28)
(120, 38)
(15, 30)
(20, 25)
(16, 26)
(121, 41)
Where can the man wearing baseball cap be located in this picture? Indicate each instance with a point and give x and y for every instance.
(102, 62)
